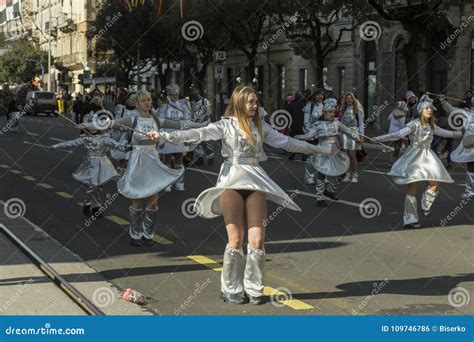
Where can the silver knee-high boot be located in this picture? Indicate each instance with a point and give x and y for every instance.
(469, 191)
(410, 213)
(232, 276)
(427, 200)
(179, 185)
(149, 221)
(135, 228)
(253, 277)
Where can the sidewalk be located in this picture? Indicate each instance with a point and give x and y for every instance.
(26, 290)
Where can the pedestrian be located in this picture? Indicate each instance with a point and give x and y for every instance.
(419, 163)
(464, 153)
(177, 110)
(145, 175)
(329, 168)
(352, 117)
(97, 169)
(295, 108)
(412, 101)
(242, 189)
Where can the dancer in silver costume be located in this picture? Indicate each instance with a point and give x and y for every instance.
(419, 163)
(177, 110)
(352, 117)
(312, 112)
(242, 189)
(146, 175)
(97, 169)
(463, 154)
(201, 112)
(123, 110)
(326, 129)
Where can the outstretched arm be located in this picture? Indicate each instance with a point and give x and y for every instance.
(447, 133)
(310, 135)
(210, 132)
(71, 143)
(125, 147)
(396, 135)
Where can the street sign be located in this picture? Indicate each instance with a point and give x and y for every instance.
(219, 72)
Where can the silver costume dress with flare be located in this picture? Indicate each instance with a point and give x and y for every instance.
(97, 169)
(463, 154)
(241, 169)
(354, 121)
(146, 175)
(419, 162)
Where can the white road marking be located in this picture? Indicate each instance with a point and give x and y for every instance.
(56, 139)
(353, 204)
(31, 133)
(202, 171)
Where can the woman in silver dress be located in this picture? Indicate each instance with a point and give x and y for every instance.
(145, 175)
(419, 162)
(97, 169)
(242, 189)
(463, 154)
(352, 117)
(326, 129)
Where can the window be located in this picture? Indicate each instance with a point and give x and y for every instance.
(303, 80)
(341, 72)
(399, 71)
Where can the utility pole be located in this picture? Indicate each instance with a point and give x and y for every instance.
(49, 48)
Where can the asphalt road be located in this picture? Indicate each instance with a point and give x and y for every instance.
(321, 261)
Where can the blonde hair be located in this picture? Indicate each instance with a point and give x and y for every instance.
(238, 107)
(356, 104)
(141, 95)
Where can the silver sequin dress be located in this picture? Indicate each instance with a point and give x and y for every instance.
(462, 154)
(419, 162)
(145, 175)
(97, 169)
(328, 134)
(241, 169)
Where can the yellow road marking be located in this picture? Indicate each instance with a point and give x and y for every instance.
(45, 186)
(3, 166)
(201, 259)
(162, 240)
(29, 178)
(117, 220)
(16, 172)
(267, 290)
(64, 194)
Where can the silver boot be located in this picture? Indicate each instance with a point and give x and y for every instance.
(427, 200)
(253, 277)
(309, 172)
(149, 221)
(469, 191)
(410, 213)
(232, 284)
(179, 185)
(135, 228)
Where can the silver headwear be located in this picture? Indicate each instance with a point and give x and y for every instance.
(425, 101)
(329, 104)
(172, 89)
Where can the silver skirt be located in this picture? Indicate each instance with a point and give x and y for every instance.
(95, 171)
(348, 143)
(419, 164)
(240, 177)
(332, 165)
(146, 175)
(168, 148)
(462, 154)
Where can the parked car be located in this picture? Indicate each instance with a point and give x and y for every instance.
(41, 102)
